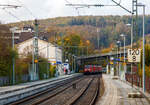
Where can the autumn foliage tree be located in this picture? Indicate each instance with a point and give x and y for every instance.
(147, 61)
(6, 52)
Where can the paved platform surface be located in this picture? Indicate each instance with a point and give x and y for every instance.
(116, 93)
(9, 89)
(13, 93)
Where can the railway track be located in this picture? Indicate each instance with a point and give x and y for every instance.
(89, 95)
(72, 93)
(41, 96)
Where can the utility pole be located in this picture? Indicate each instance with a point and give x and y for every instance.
(13, 60)
(48, 60)
(13, 40)
(133, 12)
(133, 25)
(72, 62)
(62, 46)
(75, 63)
(87, 51)
(142, 5)
(35, 52)
(135, 20)
(98, 38)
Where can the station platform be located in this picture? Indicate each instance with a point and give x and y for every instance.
(117, 93)
(11, 93)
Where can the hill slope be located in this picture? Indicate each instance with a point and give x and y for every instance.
(108, 28)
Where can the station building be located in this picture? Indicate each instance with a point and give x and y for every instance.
(24, 44)
(46, 50)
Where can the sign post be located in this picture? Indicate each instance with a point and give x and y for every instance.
(134, 56)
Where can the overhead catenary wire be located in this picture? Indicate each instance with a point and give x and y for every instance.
(12, 14)
(9, 6)
(68, 2)
(92, 5)
(83, 7)
(118, 4)
(24, 6)
(89, 5)
(76, 8)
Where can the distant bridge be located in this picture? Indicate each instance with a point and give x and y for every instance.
(106, 55)
(101, 58)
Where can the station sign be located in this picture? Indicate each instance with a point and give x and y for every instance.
(58, 62)
(117, 59)
(134, 55)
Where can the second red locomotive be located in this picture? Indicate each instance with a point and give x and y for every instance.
(92, 69)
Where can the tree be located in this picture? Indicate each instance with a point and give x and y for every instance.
(6, 52)
(147, 61)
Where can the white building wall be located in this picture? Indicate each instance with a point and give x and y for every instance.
(46, 50)
(25, 48)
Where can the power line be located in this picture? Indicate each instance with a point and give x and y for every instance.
(89, 5)
(83, 9)
(118, 4)
(68, 2)
(12, 15)
(26, 8)
(77, 8)
(9, 6)
(4, 6)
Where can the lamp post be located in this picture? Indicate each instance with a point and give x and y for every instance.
(72, 63)
(131, 44)
(48, 60)
(142, 5)
(97, 37)
(119, 45)
(124, 60)
(13, 59)
(69, 60)
(117, 62)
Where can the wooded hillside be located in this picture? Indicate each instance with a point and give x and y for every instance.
(108, 28)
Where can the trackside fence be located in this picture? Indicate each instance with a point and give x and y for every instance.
(137, 80)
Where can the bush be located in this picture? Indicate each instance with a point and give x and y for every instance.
(43, 73)
(52, 70)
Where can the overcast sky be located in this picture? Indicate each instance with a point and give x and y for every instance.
(42, 9)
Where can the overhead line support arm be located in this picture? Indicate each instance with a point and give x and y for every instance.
(9, 6)
(118, 4)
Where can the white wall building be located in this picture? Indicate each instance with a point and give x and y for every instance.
(46, 50)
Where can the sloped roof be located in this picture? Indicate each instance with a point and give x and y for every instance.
(23, 36)
(32, 39)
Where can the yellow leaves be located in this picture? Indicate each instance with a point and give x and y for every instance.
(147, 71)
(88, 42)
(111, 45)
(59, 42)
(67, 39)
(81, 43)
(107, 50)
(52, 70)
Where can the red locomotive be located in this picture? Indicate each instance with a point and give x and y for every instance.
(92, 69)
